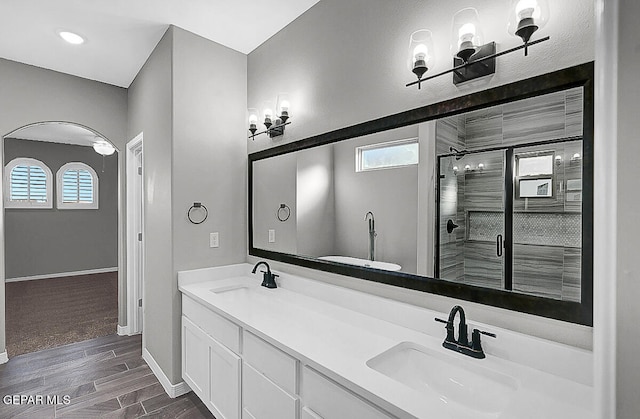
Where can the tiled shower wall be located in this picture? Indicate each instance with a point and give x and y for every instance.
(547, 231)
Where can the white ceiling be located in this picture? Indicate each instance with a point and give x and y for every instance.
(121, 34)
(57, 132)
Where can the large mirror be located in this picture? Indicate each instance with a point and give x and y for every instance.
(487, 197)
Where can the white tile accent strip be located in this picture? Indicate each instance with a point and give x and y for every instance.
(62, 274)
(173, 390)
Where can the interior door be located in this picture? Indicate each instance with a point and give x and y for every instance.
(471, 218)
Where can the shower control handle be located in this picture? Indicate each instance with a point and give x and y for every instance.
(499, 245)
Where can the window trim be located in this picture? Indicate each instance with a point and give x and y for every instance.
(27, 161)
(385, 144)
(60, 204)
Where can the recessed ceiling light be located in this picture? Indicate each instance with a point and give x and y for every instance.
(70, 37)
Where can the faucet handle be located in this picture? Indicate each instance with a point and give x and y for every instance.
(440, 320)
(475, 339)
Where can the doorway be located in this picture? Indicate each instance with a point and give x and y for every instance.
(61, 241)
(135, 235)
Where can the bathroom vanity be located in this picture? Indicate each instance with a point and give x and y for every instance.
(312, 350)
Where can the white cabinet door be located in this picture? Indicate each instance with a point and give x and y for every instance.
(224, 381)
(322, 397)
(195, 358)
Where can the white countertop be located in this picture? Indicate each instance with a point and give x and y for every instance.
(338, 342)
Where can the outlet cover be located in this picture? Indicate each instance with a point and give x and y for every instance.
(214, 240)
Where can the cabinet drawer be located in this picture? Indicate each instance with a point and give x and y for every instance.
(270, 361)
(263, 399)
(308, 414)
(329, 400)
(223, 330)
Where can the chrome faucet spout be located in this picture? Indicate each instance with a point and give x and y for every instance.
(372, 234)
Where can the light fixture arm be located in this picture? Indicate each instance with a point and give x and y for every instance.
(457, 69)
(276, 128)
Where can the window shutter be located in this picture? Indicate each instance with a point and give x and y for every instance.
(28, 183)
(77, 187)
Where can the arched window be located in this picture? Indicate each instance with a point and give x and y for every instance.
(27, 184)
(77, 187)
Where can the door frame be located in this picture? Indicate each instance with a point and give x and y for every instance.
(135, 260)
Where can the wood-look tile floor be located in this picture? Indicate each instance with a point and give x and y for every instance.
(102, 377)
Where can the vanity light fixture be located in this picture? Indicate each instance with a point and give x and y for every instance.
(471, 58)
(274, 122)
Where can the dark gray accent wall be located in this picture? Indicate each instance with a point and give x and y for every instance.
(46, 241)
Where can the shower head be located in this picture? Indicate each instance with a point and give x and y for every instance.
(458, 154)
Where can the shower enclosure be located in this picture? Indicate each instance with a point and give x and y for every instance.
(510, 218)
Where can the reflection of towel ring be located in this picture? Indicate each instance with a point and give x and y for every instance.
(283, 212)
(197, 205)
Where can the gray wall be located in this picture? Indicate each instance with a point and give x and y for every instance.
(49, 240)
(274, 183)
(346, 63)
(150, 112)
(189, 100)
(392, 196)
(315, 206)
(620, 92)
(31, 94)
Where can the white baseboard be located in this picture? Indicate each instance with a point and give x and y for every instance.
(62, 274)
(123, 331)
(4, 358)
(173, 390)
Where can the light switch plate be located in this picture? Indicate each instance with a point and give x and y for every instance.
(214, 240)
(272, 236)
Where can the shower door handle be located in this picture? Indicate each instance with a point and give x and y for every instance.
(499, 245)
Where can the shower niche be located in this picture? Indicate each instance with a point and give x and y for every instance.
(510, 177)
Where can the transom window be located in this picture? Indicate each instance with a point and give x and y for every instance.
(27, 184)
(387, 155)
(77, 187)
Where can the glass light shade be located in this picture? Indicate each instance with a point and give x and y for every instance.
(466, 33)
(526, 17)
(103, 147)
(421, 52)
(252, 114)
(283, 107)
(268, 116)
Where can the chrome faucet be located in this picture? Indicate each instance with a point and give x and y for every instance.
(372, 234)
(461, 344)
(268, 278)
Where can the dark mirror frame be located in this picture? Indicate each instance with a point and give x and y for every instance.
(581, 313)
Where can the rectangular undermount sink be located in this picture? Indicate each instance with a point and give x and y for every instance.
(452, 379)
(230, 288)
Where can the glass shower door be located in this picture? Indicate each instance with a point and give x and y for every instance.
(472, 219)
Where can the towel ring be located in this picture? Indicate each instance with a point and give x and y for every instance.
(197, 205)
(283, 212)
